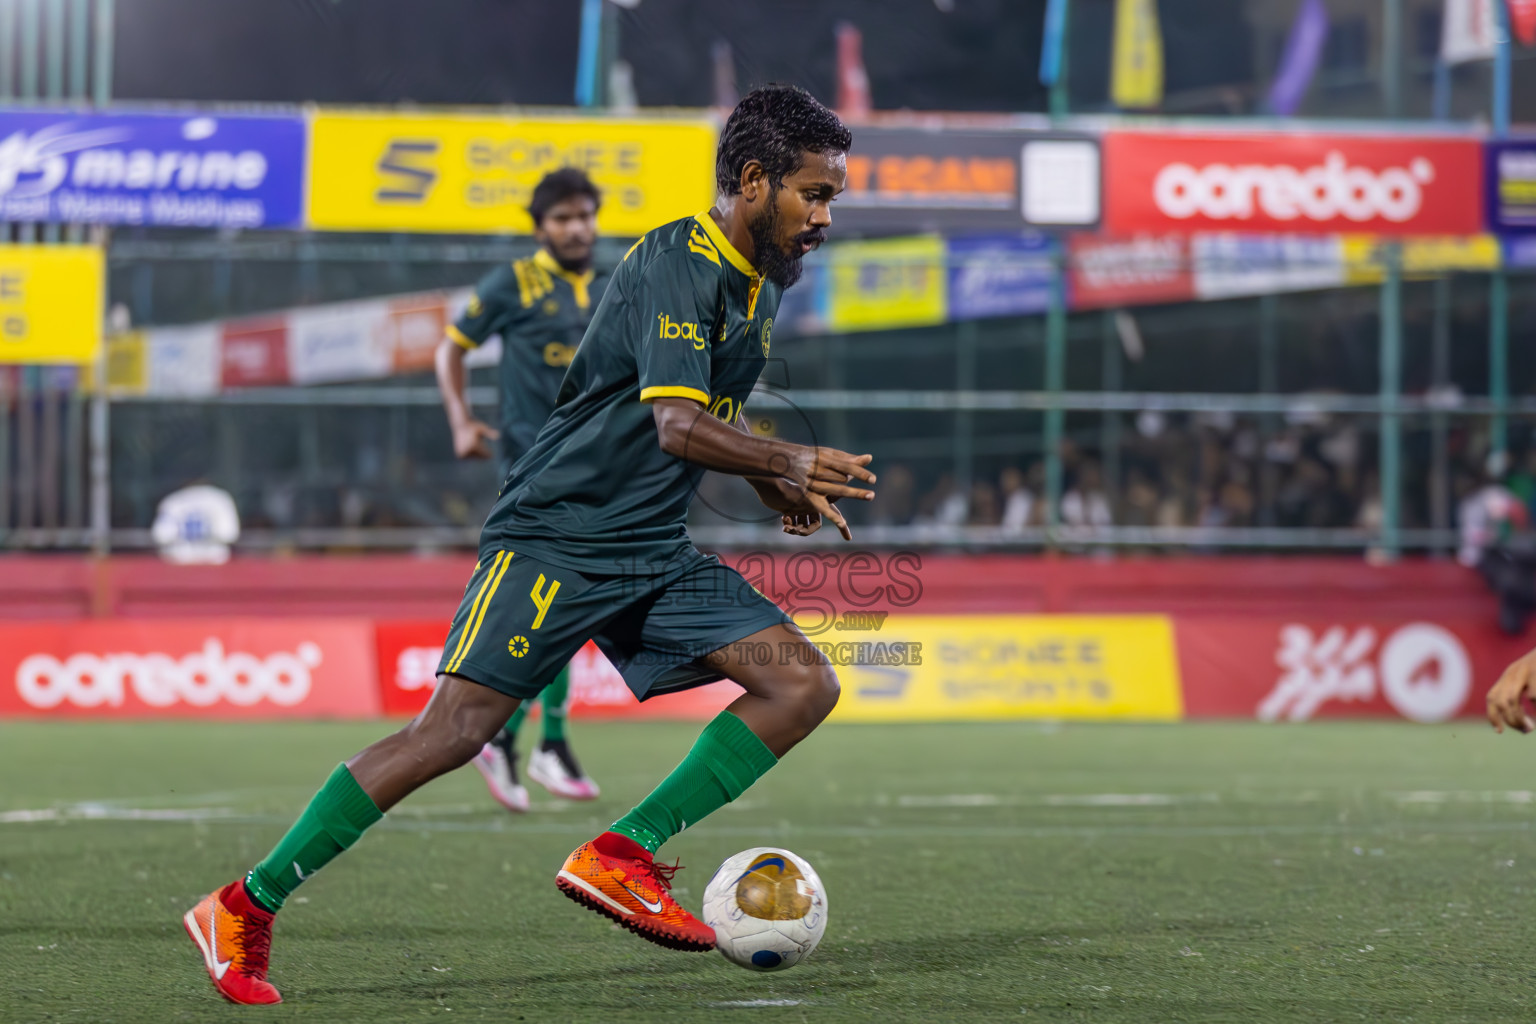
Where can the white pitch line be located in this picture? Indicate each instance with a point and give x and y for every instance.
(1059, 800)
(1464, 796)
(100, 812)
(89, 813)
(744, 1004)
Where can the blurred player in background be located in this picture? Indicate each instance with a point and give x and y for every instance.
(588, 540)
(540, 307)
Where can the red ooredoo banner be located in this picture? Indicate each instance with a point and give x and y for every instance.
(1304, 184)
(217, 668)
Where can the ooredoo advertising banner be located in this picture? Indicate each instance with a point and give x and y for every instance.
(215, 668)
(1301, 184)
(171, 170)
(1295, 670)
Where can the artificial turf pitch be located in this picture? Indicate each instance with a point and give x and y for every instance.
(1199, 872)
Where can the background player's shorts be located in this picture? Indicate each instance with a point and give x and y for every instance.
(522, 620)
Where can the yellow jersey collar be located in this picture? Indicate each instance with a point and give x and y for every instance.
(722, 243)
(549, 263)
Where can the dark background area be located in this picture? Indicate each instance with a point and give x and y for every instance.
(979, 55)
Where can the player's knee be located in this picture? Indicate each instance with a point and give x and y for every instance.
(815, 693)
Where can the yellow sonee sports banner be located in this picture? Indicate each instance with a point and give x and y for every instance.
(392, 172)
(971, 667)
(50, 303)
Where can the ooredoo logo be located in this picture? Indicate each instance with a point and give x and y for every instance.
(201, 679)
(1323, 192)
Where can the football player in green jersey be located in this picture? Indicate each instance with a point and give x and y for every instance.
(540, 307)
(588, 540)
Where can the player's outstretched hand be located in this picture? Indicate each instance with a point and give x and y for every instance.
(831, 472)
(823, 475)
(471, 439)
(1506, 701)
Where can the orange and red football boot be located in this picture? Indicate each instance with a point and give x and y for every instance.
(235, 937)
(632, 889)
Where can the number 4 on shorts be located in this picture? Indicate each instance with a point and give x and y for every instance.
(542, 599)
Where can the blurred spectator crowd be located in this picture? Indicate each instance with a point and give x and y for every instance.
(1217, 470)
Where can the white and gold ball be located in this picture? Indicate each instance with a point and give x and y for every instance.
(767, 907)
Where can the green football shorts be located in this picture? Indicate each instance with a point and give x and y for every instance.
(522, 620)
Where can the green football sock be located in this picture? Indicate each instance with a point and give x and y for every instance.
(334, 820)
(552, 700)
(724, 762)
(516, 722)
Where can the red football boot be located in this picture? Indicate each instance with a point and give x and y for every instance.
(235, 936)
(628, 886)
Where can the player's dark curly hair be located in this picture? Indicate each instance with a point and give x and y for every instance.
(776, 125)
(557, 187)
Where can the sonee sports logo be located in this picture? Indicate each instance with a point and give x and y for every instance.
(517, 646)
(670, 330)
(407, 170)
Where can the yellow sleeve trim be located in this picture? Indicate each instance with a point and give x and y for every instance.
(461, 339)
(674, 392)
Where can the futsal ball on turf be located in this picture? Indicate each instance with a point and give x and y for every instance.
(767, 908)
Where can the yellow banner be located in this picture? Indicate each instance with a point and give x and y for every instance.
(50, 303)
(127, 364)
(969, 667)
(393, 172)
(1365, 263)
(894, 282)
(1136, 72)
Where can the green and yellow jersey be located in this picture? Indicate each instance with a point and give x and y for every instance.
(541, 311)
(685, 316)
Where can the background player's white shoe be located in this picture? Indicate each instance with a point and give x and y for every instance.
(500, 774)
(554, 767)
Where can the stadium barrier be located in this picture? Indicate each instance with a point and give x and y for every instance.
(915, 638)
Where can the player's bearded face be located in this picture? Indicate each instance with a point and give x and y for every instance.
(569, 231)
(779, 243)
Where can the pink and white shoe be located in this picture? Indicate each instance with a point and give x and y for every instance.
(554, 767)
(500, 774)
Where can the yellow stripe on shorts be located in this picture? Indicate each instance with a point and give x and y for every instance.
(490, 575)
(493, 578)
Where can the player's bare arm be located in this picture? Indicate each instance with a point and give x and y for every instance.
(816, 476)
(471, 436)
(1506, 700)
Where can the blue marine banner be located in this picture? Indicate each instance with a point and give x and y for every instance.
(169, 170)
(1000, 275)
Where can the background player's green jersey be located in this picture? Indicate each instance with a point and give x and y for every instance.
(541, 311)
(685, 316)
